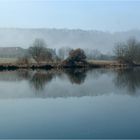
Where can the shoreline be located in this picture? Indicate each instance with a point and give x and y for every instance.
(47, 66)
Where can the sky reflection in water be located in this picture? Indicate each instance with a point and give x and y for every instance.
(80, 103)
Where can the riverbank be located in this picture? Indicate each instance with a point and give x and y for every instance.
(108, 64)
(59, 65)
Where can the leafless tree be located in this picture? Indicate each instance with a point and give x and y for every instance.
(128, 52)
(39, 51)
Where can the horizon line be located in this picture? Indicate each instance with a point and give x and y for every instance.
(55, 28)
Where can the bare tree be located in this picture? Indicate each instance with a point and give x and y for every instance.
(120, 52)
(39, 51)
(128, 52)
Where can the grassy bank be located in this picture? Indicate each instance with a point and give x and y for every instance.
(105, 63)
(11, 64)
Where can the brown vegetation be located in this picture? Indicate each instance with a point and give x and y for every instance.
(39, 52)
(39, 56)
(128, 53)
(76, 58)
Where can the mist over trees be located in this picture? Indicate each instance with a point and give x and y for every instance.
(128, 52)
(63, 52)
(95, 54)
(91, 54)
(39, 51)
(56, 38)
(124, 52)
(12, 52)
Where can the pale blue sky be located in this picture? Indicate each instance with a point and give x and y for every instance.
(84, 14)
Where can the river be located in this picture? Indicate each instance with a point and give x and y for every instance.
(70, 104)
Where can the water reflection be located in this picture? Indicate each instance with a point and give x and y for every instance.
(24, 74)
(70, 82)
(104, 116)
(40, 79)
(129, 79)
(76, 76)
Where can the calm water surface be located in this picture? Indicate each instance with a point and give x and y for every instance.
(98, 103)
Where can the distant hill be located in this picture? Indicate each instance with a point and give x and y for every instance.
(11, 52)
(56, 38)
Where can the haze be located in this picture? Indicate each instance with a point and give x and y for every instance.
(72, 23)
(82, 14)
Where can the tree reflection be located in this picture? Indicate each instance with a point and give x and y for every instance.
(76, 76)
(24, 74)
(40, 79)
(128, 78)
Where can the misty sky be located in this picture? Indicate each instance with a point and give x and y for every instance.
(97, 15)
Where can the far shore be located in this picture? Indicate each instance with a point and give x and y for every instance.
(10, 64)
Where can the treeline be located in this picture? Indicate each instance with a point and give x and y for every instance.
(124, 52)
(62, 53)
(41, 54)
(91, 54)
(128, 52)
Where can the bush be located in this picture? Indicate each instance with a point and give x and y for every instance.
(76, 57)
